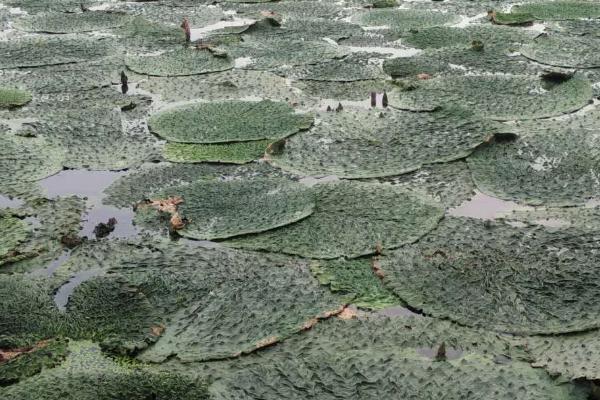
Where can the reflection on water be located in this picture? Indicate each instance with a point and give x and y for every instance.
(61, 298)
(91, 185)
(482, 206)
(7, 202)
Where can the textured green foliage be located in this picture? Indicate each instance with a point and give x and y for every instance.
(220, 209)
(560, 10)
(234, 153)
(304, 28)
(370, 143)
(181, 62)
(446, 36)
(405, 20)
(354, 90)
(564, 51)
(582, 27)
(39, 51)
(27, 159)
(448, 183)
(232, 121)
(13, 232)
(51, 220)
(27, 313)
(351, 68)
(388, 358)
(500, 277)
(13, 97)
(141, 33)
(290, 9)
(573, 356)
(227, 85)
(499, 97)
(47, 354)
(553, 162)
(95, 138)
(71, 22)
(60, 79)
(211, 301)
(513, 18)
(459, 60)
(86, 374)
(582, 218)
(152, 178)
(266, 54)
(356, 279)
(351, 219)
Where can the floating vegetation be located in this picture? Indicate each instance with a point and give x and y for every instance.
(351, 219)
(485, 275)
(179, 63)
(499, 97)
(260, 199)
(232, 121)
(372, 143)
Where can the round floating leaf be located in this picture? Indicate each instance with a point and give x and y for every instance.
(388, 358)
(220, 209)
(179, 63)
(88, 374)
(560, 10)
(552, 163)
(27, 159)
(370, 143)
(141, 33)
(403, 19)
(227, 85)
(499, 97)
(234, 153)
(151, 178)
(348, 69)
(13, 232)
(351, 219)
(71, 22)
(10, 98)
(447, 36)
(304, 28)
(571, 356)
(524, 281)
(564, 51)
(266, 54)
(355, 279)
(231, 121)
(40, 51)
(42, 355)
(211, 302)
(354, 90)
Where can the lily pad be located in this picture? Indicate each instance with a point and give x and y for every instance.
(365, 359)
(179, 63)
(500, 277)
(13, 231)
(560, 10)
(232, 121)
(267, 54)
(351, 219)
(40, 51)
(221, 209)
(71, 22)
(553, 162)
(10, 98)
(499, 97)
(88, 374)
(564, 51)
(356, 280)
(351, 68)
(447, 36)
(234, 153)
(370, 143)
(404, 19)
(28, 159)
(211, 301)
